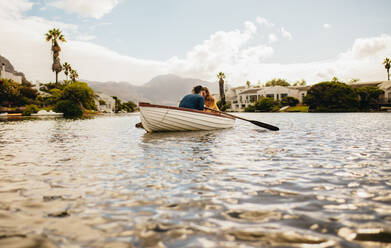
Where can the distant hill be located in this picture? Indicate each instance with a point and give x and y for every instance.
(163, 89)
(10, 68)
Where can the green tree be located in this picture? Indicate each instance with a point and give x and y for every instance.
(49, 86)
(74, 75)
(335, 80)
(69, 108)
(15, 94)
(289, 101)
(67, 69)
(117, 106)
(224, 107)
(369, 97)
(300, 83)
(81, 94)
(9, 92)
(387, 65)
(30, 109)
(248, 84)
(277, 82)
(249, 108)
(55, 96)
(27, 90)
(266, 104)
(54, 35)
(128, 106)
(331, 97)
(221, 77)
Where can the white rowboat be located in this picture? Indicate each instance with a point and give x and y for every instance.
(159, 118)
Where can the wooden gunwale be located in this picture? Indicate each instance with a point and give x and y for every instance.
(144, 104)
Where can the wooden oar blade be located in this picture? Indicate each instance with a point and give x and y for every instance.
(264, 125)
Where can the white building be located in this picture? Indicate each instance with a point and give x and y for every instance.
(386, 86)
(241, 97)
(8, 75)
(232, 96)
(104, 103)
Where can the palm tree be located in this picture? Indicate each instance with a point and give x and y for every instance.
(387, 65)
(221, 77)
(53, 35)
(74, 75)
(67, 69)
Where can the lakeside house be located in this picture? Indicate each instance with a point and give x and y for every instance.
(243, 96)
(104, 103)
(383, 85)
(9, 75)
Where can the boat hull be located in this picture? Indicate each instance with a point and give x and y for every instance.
(159, 118)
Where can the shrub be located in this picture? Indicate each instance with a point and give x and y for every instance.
(223, 107)
(69, 108)
(81, 93)
(291, 101)
(9, 91)
(30, 109)
(250, 108)
(369, 97)
(128, 106)
(102, 102)
(266, 105)
(332, 97)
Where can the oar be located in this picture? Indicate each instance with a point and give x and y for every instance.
(258, 123)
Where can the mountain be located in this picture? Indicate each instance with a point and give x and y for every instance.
(123, 90)
(10, 68)
(164, 89)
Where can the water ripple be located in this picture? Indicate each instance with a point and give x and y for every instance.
(323, 180)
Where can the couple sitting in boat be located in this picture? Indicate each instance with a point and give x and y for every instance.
(201, 99)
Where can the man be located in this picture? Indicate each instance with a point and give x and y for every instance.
(195, 100)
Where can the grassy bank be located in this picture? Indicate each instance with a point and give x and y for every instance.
(301, 108)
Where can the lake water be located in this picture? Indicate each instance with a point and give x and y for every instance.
(323, 180)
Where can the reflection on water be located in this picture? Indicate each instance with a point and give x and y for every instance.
(322, 181)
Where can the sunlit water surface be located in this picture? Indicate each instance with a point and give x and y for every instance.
(323, 180)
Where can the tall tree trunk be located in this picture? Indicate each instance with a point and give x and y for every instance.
(388, 74)
(222, 94)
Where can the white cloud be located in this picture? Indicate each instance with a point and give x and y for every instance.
(285, 33)
(369, 47)
(256, 54)
(326, 26)
(250, 27)
(232, 52)
(23, 43)
(215, 54)
(85, 37)
(263, 21)
(14, 9)
(95, 9)
(272, 38)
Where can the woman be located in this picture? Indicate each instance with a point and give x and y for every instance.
(210, 101)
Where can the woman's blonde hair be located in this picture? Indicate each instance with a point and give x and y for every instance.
(208, 95)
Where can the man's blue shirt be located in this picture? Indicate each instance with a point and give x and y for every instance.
(192, 101)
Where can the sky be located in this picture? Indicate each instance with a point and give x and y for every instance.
(256, 40)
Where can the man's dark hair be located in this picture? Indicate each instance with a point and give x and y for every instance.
(197, 89)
